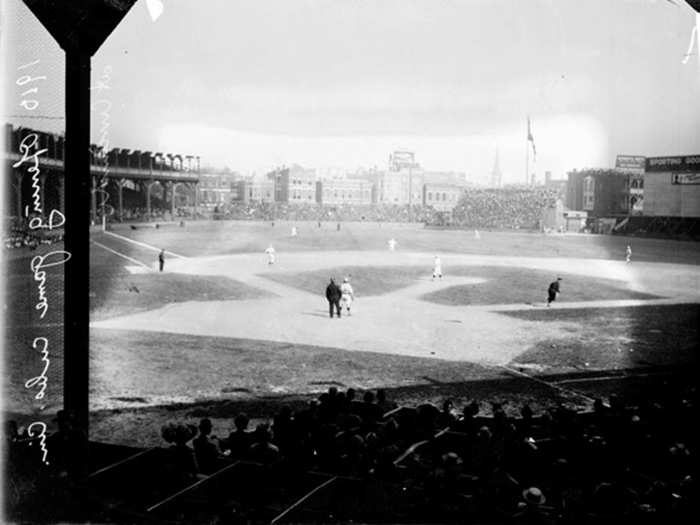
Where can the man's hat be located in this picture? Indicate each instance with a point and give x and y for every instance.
(534, 496)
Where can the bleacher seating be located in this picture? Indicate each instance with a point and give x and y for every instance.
(620, 462)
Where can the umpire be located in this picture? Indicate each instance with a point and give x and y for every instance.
(333, 295)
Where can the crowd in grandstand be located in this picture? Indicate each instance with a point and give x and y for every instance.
(502, 208)
(21, 236)
(517, 207)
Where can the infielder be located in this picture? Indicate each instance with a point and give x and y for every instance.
(553, 291)
(294, 231)
(270, 254)
(392, 244)
(437, 268)
(628, 254)
(347, 294)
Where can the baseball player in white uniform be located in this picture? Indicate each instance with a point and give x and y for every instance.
(392, 244)
(437, 268)
(628, 254)
(270, 254)
(294, 231)
(347, 294)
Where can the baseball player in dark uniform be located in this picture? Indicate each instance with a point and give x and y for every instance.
(553, 291)
(333, 295)
(161, 259)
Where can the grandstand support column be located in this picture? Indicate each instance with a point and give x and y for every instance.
(172, 200)
(18, 188)
(93, 198)
(77, 239)
(148, 200)
(120, 189)
(42, 185)
(62, 193)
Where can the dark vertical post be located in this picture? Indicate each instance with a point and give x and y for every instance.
(77, 237)
(93, 198)
(18, 178)
(148, 200)
(120, 184)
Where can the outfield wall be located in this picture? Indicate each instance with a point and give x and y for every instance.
(670, 194)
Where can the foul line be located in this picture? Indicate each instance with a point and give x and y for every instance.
(554, 386)
(143, 244)
(122, 255)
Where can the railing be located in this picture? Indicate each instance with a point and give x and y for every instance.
(117, 171)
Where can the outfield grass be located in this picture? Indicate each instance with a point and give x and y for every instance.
(224, 237)
(523, 285)
(502, 285)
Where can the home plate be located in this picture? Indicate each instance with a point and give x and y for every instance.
(137, 269)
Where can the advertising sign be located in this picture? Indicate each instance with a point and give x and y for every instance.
(630, 163)
(685, 178)
(674, 164)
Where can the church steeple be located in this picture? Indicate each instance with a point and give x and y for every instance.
(496, 175)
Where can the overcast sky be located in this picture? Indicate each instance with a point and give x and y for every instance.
(342, 83)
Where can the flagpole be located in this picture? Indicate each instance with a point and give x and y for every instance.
(527, 152)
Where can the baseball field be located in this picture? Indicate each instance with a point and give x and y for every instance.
(220, 330)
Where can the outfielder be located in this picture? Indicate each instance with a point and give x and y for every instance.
(270, 254)
(392, 244)
(628, 254)
(437, 268)
(347, 294)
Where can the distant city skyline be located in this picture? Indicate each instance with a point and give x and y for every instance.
(323, 83)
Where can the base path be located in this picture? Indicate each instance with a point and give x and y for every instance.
(397, 322)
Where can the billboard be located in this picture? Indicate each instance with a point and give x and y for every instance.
(673, 164)
(630, 163)
(685, 178)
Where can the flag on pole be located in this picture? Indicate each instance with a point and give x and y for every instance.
(530, 138)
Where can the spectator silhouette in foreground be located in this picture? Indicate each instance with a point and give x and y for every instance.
(66, 446)
(238, 441)
(262, 450)
(530, 510)
(382, 402)
(204, 449)
(182, 463)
